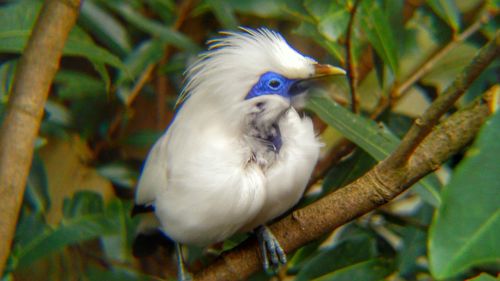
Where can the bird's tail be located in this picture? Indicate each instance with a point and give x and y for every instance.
(148, 236)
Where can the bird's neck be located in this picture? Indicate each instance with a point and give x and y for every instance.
(263, 136)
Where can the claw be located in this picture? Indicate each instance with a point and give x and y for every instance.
(182, 274)
(270, 248)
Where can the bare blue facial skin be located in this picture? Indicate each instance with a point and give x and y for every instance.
(271, 83)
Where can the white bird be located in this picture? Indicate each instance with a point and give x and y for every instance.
(237, 154)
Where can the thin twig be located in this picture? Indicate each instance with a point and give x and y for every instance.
(145, 76)
(24, 111)
(428, 64)
(423, 125)
(162, 83)
(115, 123)
(350, 63)
(398, 91)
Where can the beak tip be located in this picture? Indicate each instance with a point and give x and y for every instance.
(327, 70)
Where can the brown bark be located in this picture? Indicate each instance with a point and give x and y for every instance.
(35, 72)
(374, 189)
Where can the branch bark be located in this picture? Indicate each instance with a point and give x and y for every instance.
(34, 75)
(379, 185)
(350, 63)
(374, 189)
(422, 126)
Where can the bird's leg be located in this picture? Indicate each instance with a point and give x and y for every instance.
(182, 274)
(272, 254)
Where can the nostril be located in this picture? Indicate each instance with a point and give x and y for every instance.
(260, 105)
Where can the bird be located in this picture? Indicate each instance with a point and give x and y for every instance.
(238, 152)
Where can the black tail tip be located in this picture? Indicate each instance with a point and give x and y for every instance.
(140, 209)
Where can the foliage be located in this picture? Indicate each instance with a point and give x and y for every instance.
(114, 94)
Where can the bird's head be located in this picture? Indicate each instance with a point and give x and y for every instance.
(251, 64)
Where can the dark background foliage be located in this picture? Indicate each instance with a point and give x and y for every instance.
(114, 94)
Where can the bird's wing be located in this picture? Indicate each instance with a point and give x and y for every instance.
(154, 174)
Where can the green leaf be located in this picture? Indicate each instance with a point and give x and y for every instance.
(302, 255)
(73, 231)
(72, 85)
(322, 8)
(17, 20)
(119, 174)
(142, 139)
(105, 27)
(484, 277)
(378, 31)
(334, 25)
(30, 225)
(224, 13)
(347, 171)
(262, 8)
(377, 140)
(83, 203)
(166, 34)
(411, 227)
(117, 246)
(371, 270)
(464, 232)
(332, 17)
(37, 188)
(78, 45)
(450, 66)
(57, 113)
(166, 9)
(448, 11)
(7, 70)
(144, 54)
(346, 253)
(310, 30)
(84, 219)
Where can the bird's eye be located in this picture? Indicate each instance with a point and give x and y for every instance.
(274, 84)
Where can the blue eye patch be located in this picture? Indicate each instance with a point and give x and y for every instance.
(271, 83)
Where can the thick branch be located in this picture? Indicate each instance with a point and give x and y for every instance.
(423, 125)
(35, 72)
(374, 189)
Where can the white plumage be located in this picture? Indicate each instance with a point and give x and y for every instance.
(229, 163)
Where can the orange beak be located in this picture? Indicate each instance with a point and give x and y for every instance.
(327, 70)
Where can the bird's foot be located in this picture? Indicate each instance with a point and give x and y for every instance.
(182, 274)
(272, 253)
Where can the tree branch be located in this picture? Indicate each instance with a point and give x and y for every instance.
(351, 68)
(372, 190)
(428, 64)
(397, 91)
(382, 183)
(24, 112)
(423, 125)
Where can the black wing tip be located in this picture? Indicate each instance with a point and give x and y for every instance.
(140, 209)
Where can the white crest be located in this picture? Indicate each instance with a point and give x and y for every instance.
(240, 58)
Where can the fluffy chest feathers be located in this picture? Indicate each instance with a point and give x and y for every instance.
(233, 174)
